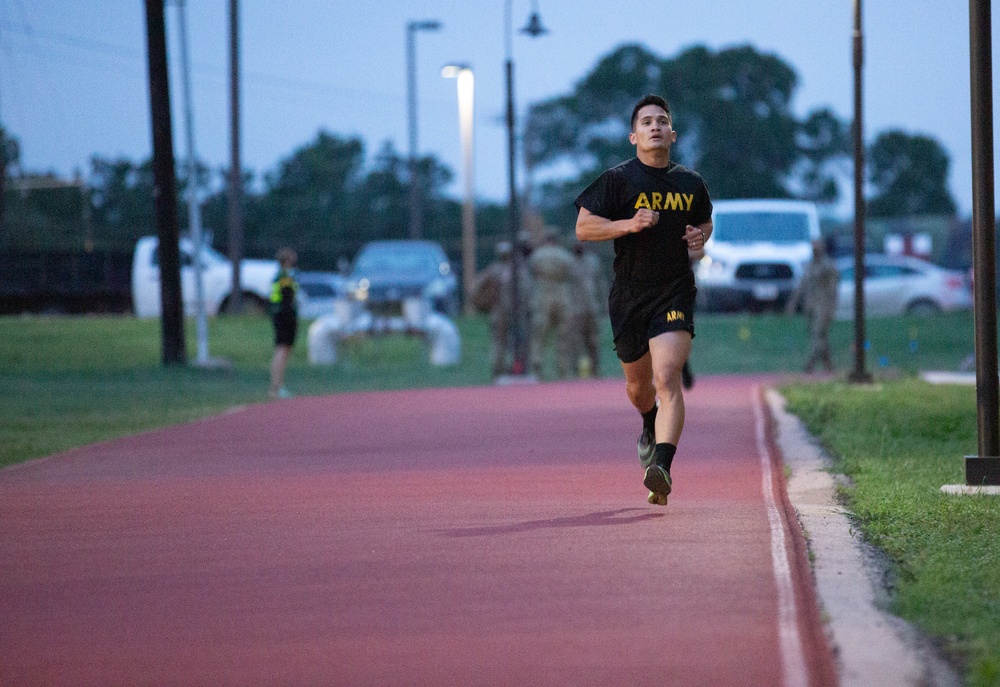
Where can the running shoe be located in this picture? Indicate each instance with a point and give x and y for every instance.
(658, 481)
(656, 499)
(647, 441)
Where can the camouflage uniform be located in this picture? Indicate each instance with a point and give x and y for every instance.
(589, 305)
(525, 291)
(554, 281)
(493, 293)
(817, 292)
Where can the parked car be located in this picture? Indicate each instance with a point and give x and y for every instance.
(217, 279)
(318, 291)
(385, 273)
(898, 285)
(756, 254)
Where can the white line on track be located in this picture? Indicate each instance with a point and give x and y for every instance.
(793, 665)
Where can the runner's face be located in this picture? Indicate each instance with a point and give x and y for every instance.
(653, 130)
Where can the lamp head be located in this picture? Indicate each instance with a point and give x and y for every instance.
(451, 71)
(427, 25)
(534, 26)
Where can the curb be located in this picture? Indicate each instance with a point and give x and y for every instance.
(871, 646)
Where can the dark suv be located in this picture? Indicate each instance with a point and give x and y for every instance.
(385, 273)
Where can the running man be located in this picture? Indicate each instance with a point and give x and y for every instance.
(656, 211)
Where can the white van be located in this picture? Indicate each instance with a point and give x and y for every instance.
(757, 253)
(256, 277)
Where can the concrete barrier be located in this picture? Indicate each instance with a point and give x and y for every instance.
(350, 318)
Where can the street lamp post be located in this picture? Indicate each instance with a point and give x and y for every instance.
(534, 29)
(466, 89)
(859, 375)
(411, 83)
(194, 207)
(984, 469)
(234, 192)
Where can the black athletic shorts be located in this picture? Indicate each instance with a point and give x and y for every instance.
(640, 312)
(286, 325)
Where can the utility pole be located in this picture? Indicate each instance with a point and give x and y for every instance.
(519, 344)
(234, 195)
(165, 187)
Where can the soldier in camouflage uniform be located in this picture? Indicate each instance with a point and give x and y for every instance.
(554, 282)
(589, 305)
(493, 293)
(817, 294)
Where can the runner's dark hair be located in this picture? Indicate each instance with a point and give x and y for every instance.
(651, 99)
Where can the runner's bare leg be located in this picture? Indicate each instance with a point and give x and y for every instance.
(668, 352)
(639, 383)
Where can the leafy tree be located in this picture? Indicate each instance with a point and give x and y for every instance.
(121, 198)
(824, 141)
(732, 112)
(39, 211)
(10, 150)
(736, 106)
(215, 216)
(306, 201)
(10, 153)
(589, 129)
(910, 176)
(381, 206)
(383, 198)
(323, 200)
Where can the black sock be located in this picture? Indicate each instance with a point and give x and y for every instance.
(649, 417)
(663, 454)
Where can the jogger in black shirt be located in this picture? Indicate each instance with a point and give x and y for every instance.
(655, 211)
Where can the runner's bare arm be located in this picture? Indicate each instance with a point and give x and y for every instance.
(697, 236)
(591, 227)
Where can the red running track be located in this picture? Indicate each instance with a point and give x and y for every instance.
(483, 536)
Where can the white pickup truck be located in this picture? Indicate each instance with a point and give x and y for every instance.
(757, 253)
(256, 277)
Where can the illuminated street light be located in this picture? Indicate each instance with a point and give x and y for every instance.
(411, 82)
(466, 88)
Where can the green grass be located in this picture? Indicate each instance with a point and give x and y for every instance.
(775, 343)
(72, 381)
(899, 444)
(68, 381)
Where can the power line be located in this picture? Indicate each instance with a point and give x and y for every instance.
(68, 39)
(130, 54)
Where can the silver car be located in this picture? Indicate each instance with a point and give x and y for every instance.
(318, 291)
(902, 285)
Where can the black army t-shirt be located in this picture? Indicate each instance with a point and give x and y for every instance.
(657, 254)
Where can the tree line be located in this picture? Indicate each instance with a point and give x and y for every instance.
(732, 108)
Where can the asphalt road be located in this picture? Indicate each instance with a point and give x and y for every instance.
(482, 536)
